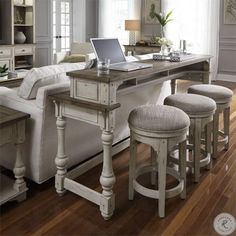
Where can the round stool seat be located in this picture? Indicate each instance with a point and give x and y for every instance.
(194, 105)
(158, 119)
(219, 93)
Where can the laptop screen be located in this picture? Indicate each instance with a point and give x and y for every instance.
(108, 48)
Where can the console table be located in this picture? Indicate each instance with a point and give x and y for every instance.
(12, 130)
(135, 49)
(92, 99)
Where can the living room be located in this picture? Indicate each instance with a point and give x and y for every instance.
(73, 123)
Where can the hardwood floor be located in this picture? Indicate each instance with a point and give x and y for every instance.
(45, 213)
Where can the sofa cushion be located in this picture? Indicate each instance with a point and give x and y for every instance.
(43, 76)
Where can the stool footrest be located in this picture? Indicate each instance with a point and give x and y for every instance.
(203, 162)
(151, 193)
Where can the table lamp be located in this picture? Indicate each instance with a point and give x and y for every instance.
(132, 26)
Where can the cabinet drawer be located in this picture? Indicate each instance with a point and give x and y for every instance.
(23, 51)
(6, 52)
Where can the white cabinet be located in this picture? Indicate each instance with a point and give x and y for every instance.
(6, 56)
(17, 33)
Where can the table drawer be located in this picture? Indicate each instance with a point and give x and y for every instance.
(23, 51)
(6, 52)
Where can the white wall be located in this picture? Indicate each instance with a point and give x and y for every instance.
(227, 54)
(43, 32)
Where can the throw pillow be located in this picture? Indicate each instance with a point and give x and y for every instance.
(73, 58)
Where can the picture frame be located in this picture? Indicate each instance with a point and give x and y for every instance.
(147, 8)
(230, 12)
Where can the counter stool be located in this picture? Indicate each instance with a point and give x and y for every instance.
(161, 127)
(200, 110)
(222, 97)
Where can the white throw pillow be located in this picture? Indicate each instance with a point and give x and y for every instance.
(46, 75)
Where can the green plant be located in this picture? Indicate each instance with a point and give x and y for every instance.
(162, 18)
(3, 70)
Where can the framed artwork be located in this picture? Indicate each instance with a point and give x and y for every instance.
(230, 12)
(149, 5)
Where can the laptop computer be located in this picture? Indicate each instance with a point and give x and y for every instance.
(111, 49)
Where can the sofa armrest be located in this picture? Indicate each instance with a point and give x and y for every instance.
(59, 56)
(44, 92)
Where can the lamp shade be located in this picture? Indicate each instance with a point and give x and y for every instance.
(132, 25)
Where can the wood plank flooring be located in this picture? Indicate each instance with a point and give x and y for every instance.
(45, 213)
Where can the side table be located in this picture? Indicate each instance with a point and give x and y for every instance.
(12, 130)
(11, 83)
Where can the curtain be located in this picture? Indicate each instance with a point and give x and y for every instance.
(112, 15)
(196, 21)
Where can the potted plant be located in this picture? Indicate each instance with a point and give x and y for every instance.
(3, 72)
(161, 17)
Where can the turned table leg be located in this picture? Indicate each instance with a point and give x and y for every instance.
(107, 178)
(19, 167)
(61, 158)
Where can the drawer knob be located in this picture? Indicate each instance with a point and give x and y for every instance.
(1, 52)
(23, 50)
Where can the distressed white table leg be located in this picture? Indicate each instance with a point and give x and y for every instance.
(215, 134)
(107, 178)
(19, 167)
(132, 165)
(162, 162)
(226, 125)
(61, 158)
(182, 166)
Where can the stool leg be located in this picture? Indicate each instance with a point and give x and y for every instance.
(215, 133)
(226, 125)
(182, 166)
(132, 165)
(196, 149)
(208, 143)
(154, 164)
(162, 161)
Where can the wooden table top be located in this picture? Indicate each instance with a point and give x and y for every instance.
(9, 116)
(158, 66)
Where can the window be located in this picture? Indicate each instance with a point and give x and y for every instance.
(112, 16)
(62, 22)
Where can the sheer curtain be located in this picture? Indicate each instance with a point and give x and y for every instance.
(196, 21)
(112, 15)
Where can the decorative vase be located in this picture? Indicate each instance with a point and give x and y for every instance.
(19, 37)
(162, 31)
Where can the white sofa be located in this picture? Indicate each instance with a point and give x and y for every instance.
(76, 48)
(82, 140)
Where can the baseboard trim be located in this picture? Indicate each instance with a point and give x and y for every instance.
(225, 77)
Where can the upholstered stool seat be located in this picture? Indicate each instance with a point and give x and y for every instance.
(219, 93)
(222, 97)
(200, 110)
(161, 127)
(158, 119)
